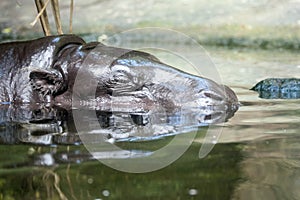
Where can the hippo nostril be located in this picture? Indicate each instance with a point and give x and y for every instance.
(208, 117)
(213, 96)
(213, 116)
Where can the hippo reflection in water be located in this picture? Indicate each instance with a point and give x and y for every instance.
(46, 69)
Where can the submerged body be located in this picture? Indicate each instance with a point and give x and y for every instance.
(64, 70)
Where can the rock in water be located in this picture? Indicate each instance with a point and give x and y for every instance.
(278, 88)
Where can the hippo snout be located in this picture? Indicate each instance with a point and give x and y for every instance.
(214, 96)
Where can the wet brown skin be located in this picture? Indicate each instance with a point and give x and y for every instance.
(64, 70)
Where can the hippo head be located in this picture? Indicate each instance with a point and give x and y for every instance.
(109, 77)
(134, 79)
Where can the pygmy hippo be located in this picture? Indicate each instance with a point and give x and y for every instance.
(64, 69)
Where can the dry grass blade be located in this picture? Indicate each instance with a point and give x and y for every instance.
(42, 15)
(71, 16)
(56, 12)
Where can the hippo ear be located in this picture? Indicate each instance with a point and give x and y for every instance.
(46, 82)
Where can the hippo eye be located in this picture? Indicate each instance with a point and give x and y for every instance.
(120, 76)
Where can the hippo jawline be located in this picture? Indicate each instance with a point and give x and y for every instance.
(62, 67)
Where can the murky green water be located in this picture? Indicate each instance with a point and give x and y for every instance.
(216, 176)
